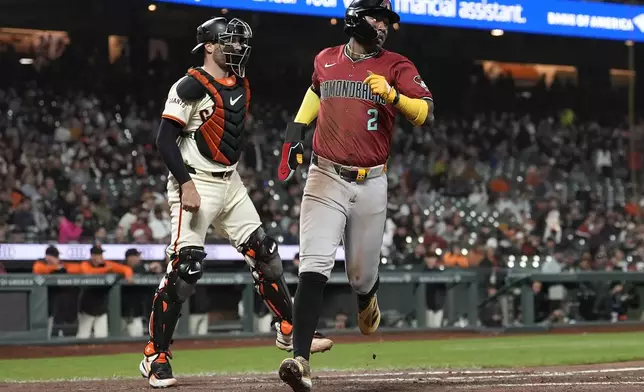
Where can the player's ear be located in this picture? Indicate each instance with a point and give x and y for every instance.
(209, 47)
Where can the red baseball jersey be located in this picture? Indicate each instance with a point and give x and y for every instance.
(354, 126)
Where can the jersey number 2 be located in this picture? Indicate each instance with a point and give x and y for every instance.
(372, 123)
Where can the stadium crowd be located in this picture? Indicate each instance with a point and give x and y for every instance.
(79, 166)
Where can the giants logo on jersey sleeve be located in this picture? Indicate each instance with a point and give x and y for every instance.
(349, 89)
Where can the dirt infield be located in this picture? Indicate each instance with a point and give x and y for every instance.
(620, 377)
(614, 377)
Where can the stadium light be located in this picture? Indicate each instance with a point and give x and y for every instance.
(152, 7)
(497, 32)
(26, 61)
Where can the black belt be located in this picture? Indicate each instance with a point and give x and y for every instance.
(217, 174)
(346, 174)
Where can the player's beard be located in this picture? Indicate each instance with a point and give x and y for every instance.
(381, 38)
(219, 58)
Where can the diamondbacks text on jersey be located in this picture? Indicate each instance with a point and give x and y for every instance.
(354, 125)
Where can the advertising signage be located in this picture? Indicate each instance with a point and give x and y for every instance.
(552, 17)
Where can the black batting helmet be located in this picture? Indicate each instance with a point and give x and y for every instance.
(234, 37)
(355, 24)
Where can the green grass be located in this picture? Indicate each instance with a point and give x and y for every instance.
(489, 352)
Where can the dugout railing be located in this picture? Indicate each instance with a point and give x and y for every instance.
(25, 297)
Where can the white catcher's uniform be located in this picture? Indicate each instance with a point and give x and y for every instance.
(225, 203)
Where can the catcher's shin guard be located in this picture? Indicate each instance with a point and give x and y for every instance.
(177, 286)
(276, 297)
(166, 310)
(261, 255)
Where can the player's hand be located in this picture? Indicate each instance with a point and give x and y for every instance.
(292, 151)
(292, 157)
(190, 199)
(380, 86)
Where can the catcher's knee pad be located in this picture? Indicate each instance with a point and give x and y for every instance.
(177, 286)
(261, 253)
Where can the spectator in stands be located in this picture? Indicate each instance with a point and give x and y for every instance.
(22, 218)
(455, 258)
(62, 301)
(292, 235)
(133, 298)
(475, 255)
(129, 217)
(139, 229)
(553, 224)
(431, 237)
(159, 223)
(418, 257)
(68, 231)
(92, 312)
(603, 160)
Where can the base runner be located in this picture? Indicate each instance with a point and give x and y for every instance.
(200, 138)
(357, 89)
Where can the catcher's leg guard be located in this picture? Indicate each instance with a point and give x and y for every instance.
(175, 288)
(260, 252)
(261, 255)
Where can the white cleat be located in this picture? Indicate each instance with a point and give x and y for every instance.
(156, 368)
(319, 344)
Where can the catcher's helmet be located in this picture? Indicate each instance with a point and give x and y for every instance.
(233, 36)
(355, 24)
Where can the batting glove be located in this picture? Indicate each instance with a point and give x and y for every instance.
(381, 87)
(292, 151)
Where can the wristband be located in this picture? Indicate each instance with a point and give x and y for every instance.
(397, 98)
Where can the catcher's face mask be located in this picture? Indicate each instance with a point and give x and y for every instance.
(235, 45)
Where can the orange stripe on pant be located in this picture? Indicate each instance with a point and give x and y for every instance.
(176, 241)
